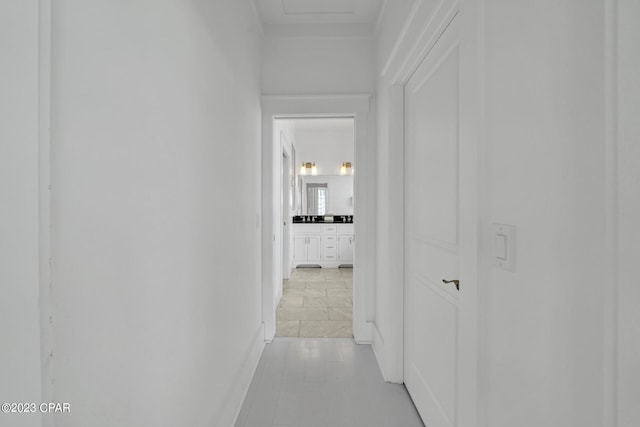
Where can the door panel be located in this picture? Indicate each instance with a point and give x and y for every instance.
(345, 250)
(435, 99)
(437, 263)
(434, 358)
(431, 232)
(300, 248)
(313, 248)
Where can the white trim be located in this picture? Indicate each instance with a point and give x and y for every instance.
(377, 334)
(302, 340)
(382, 364)
(357, 106)
(380, 17)
(407, 55)
(391, 349)
(405, 58)
(610, 338)
(484, 217)
(401, 38)
(285, 213)
(258, 18)
(439, 21)
(44, 201)
(230, 409)
(420, 32)
(471, 135)
(338, 98)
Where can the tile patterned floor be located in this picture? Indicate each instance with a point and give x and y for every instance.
(316, 303)
(323, 383)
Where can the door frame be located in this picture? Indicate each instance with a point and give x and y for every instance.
(406, 57)
(285, 187)
(296, 106)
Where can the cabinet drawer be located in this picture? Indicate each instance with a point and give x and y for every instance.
(329, 239)
(331, 257)
(330, 247)
(345, 228)
(329, 229)
(306, 228)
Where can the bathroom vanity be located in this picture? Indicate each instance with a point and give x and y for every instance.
(324, 244)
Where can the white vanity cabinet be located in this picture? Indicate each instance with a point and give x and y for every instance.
(345, 243)
(329, 243)
(345, 249)
(324, 244)
(306, 244)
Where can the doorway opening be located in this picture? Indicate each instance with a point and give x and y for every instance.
(357, 107)
(316, 215)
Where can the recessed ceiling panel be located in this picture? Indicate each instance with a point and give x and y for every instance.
(318, 12)
(313, 7)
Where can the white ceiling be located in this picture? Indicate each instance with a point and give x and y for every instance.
(294, 13)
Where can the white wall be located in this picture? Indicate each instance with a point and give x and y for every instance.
(315, 65)
(543, 120)
(20, 368)
(156, 203)
(543, 353)
(327, 148)
(628, 99)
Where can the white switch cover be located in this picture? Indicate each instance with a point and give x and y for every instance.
(501, 247)
(504, 250)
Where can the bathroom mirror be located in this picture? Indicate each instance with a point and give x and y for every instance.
(328, 194)
(317, 198)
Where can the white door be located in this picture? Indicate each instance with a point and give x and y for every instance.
(432, 240)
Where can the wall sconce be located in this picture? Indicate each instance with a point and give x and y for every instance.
(308, 167)
(346, 168)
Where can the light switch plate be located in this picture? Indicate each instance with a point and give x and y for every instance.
(504, 246)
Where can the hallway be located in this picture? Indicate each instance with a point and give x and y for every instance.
(494, 232)
(323, 383)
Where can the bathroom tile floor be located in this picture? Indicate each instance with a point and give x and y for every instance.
(302, 382)
(316, 303)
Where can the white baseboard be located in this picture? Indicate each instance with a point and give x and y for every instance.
(231, 410)
(379, 350)
(378, 340)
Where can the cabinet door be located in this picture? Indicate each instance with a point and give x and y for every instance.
(300, 248)
(345, 248)
(313, 248)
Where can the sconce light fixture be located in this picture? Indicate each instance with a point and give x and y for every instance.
(308, 167)
(346, 168)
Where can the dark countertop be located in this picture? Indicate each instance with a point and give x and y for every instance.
(319, 219)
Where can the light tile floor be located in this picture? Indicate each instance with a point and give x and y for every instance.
(316, 303)
(323, 383)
